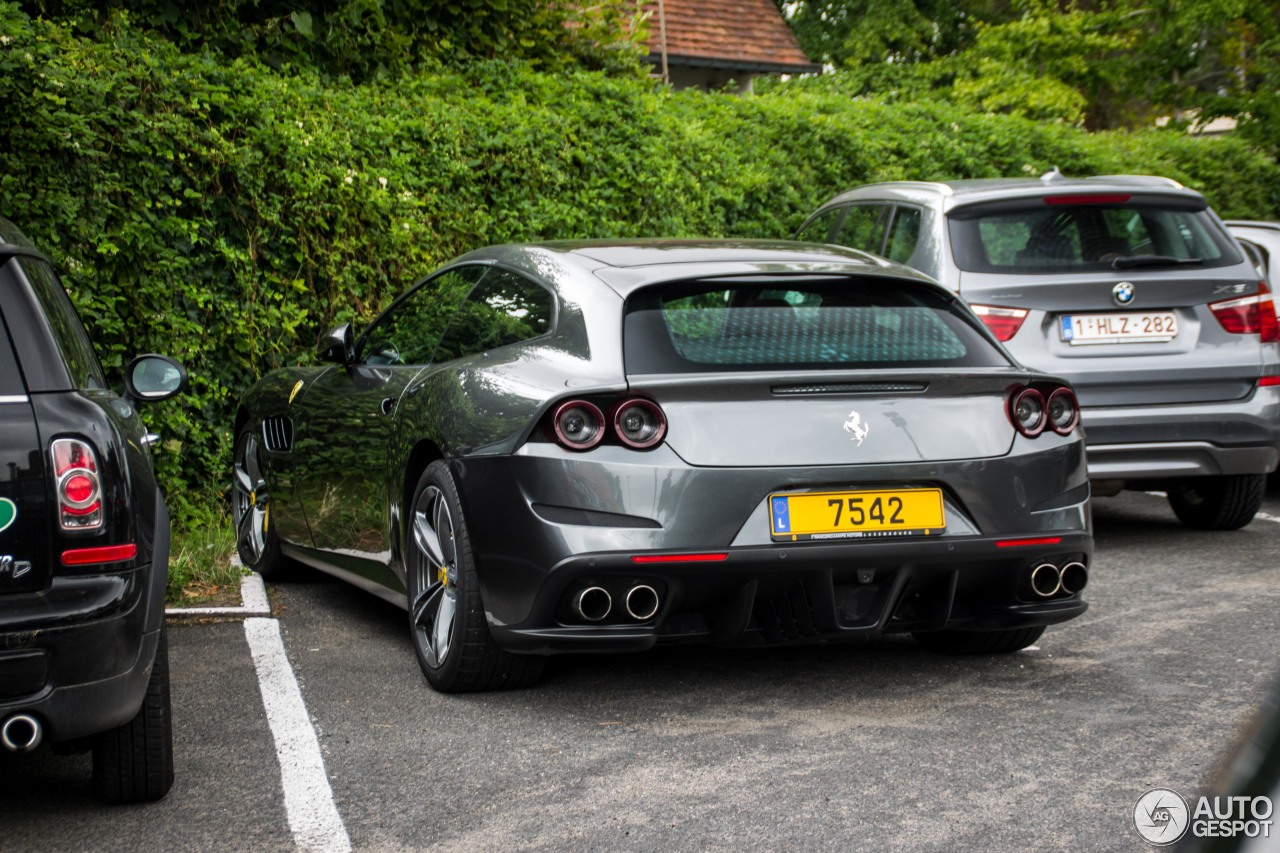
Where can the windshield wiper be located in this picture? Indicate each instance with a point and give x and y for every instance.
(1125, 262)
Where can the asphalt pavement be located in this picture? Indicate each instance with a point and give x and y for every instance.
(874, 746)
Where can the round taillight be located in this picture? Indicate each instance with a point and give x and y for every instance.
(1064, 411)
(640, 424)
(578, 425)
(1028, 411)
(79, 489)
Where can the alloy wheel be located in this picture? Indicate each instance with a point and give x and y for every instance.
(249, 501)
(433, 596)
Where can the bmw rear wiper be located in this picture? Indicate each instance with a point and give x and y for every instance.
(1125, 262)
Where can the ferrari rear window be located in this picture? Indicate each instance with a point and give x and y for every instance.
(816, 322)
(1056, 235)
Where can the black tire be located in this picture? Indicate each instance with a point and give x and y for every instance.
(978, 642)
(1219, 503)
(133, 763)
(256, 541)
(446, 616)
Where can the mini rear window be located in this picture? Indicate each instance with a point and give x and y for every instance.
(11, 384)
(836, 323)
(1044, 237)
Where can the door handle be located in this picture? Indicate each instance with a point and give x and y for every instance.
(388, 405)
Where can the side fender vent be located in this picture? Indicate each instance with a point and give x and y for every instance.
(277, 434)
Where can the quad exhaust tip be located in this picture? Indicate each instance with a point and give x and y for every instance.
(642, 602)
(593, 604)
(1047, 580)
(21, 733)
(1074, 578)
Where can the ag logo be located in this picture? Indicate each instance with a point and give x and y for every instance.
(8, 514)
(1161, 816)
(854, 425)
(1122, 293)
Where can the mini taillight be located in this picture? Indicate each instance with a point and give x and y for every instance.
(77, 484)
(578, 425)
(1027, 411)
(639, 424)
(1004, 323)
(1248, 315)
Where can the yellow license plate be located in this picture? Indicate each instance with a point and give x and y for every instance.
(853, 515)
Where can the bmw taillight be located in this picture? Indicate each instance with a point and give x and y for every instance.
(1248, 315)
(1004, 323)
(581, 424)
(1033, 410)
(77, 484)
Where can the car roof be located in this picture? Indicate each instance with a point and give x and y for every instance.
(1253, 223)
(628, 264)
(949, 194)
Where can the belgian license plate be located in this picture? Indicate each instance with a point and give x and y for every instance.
(855, 515)
(1139, 327)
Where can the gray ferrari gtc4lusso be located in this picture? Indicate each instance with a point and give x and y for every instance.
(604, 446)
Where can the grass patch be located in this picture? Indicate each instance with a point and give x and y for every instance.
(200, 569)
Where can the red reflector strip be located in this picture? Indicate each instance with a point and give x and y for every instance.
(1269, 381)
(1023, 543)
(107, 554)
(679, 558)
(1095, 198)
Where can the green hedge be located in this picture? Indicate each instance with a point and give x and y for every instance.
(226, 214)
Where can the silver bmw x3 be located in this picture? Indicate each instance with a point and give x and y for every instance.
(1132, 289)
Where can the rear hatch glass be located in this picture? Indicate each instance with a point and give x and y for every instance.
(24, 511)
(820, 371)
(1058, 234)
(815, 323)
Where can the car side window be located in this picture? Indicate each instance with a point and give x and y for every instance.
(818, 229)
(68, 332)
(863, 228)
(904, 233)
(505, 308)
(407, 333)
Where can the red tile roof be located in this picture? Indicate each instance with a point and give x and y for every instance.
(746, 34)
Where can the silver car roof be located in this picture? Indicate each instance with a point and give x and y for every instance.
(626, 265)
(949, 194)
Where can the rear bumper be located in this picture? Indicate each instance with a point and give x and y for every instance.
(547, 525)
(1189, 440)
(78, 655)
(810, 594)
(85, 669)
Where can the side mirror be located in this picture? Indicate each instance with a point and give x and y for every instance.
(154, 377)
(337, 345)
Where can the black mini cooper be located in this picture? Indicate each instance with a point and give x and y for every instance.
(84, 541)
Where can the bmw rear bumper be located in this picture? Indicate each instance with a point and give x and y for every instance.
(1185, 440)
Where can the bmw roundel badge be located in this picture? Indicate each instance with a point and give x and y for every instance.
(1122, 293)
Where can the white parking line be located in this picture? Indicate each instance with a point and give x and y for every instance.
(308, 798)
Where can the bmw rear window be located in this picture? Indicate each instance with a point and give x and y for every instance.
(1087, 233)
(814, 323)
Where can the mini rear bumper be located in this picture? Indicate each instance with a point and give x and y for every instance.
(85, 670)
